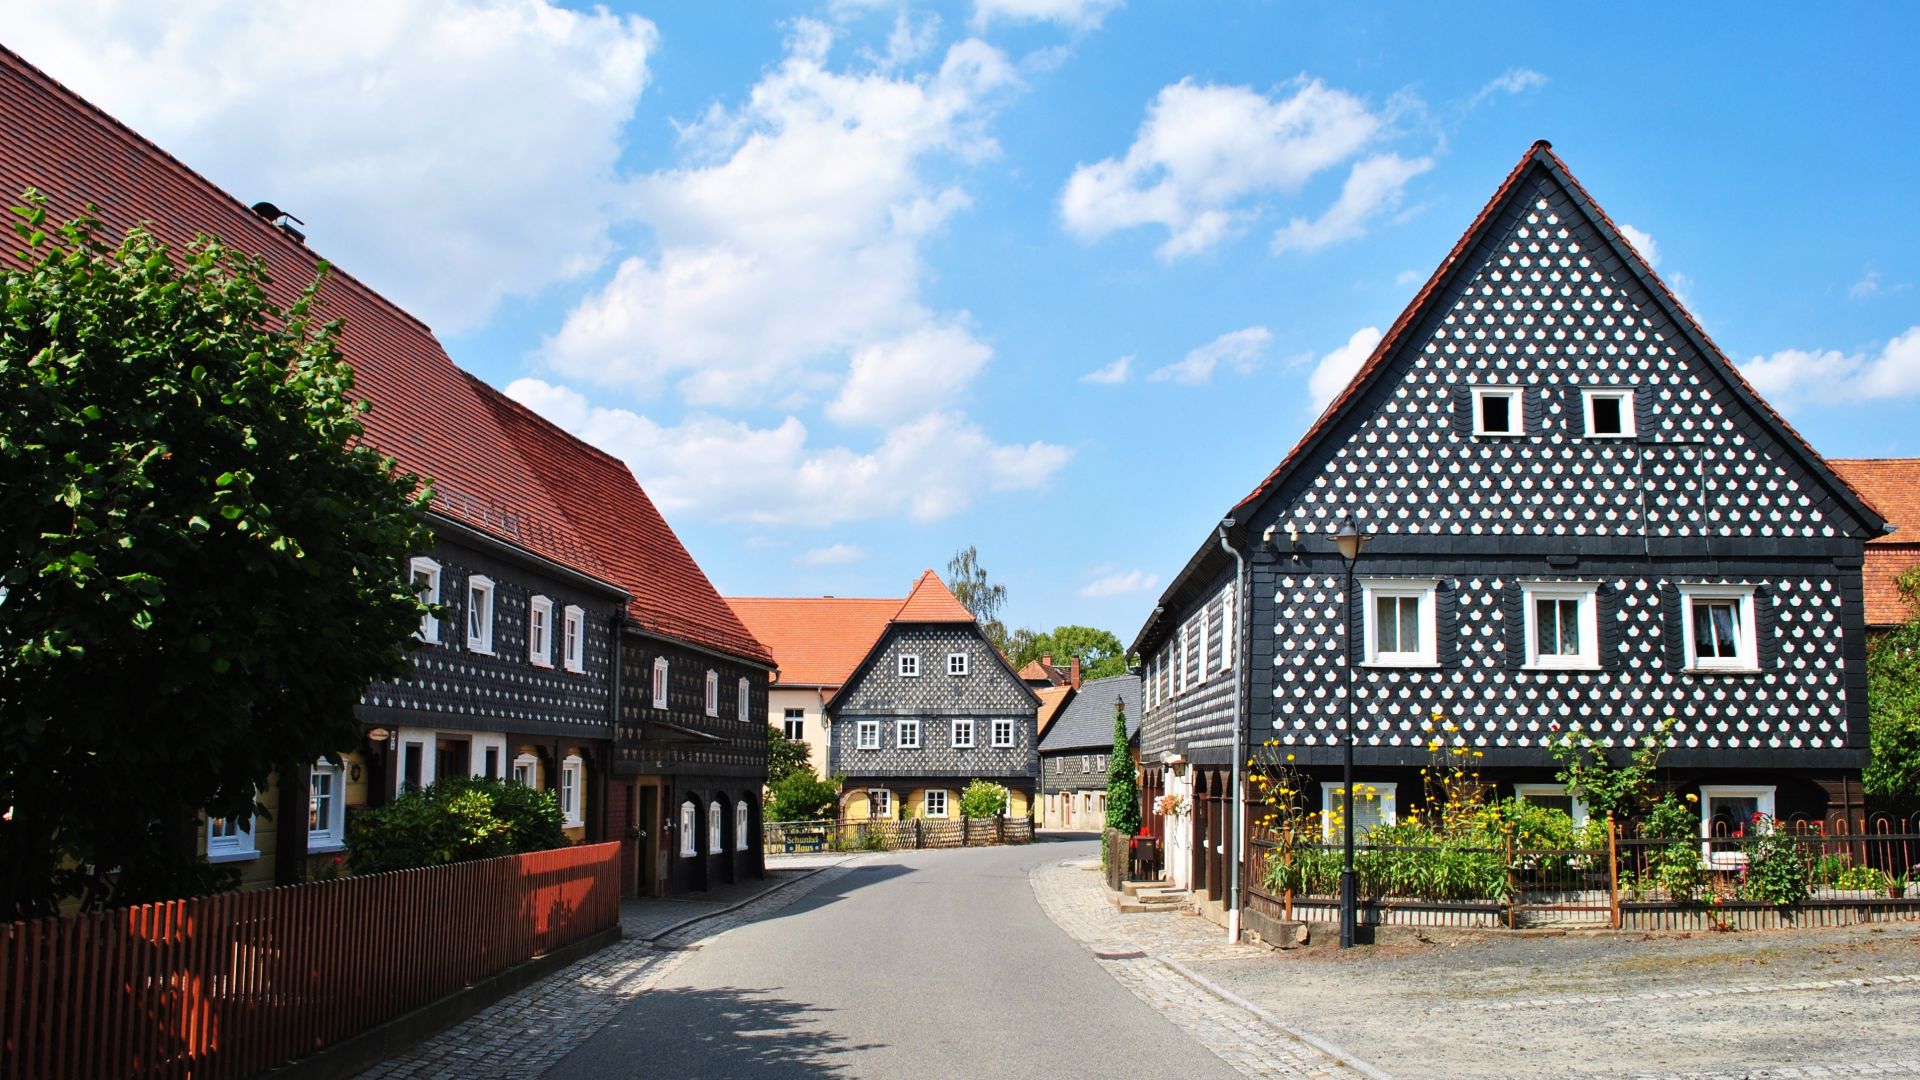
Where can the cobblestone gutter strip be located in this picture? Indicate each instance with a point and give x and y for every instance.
(1140, 952)
(1908, 1067)
(1703, 992)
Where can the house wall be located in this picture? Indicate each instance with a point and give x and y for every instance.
(812, 703)
(1187, 687)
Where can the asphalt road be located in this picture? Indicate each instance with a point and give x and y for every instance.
(920, 965)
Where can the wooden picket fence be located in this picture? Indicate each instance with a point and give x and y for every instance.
(234, 984)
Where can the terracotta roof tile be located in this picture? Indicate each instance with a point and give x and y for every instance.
(1892, 486)
(815, 640)
(1053, 700)
(932, 602)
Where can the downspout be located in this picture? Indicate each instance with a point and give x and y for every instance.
(1238, 814)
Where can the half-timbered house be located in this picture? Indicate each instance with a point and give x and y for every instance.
(1580, 514)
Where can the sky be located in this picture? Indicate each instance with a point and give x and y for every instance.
(853, 284)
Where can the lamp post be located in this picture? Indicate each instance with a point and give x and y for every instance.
(1349, 540)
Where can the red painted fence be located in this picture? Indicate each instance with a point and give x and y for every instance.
(234, 984)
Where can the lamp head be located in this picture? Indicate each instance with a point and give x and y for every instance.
(1350, 539)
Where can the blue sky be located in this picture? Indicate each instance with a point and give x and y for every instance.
(853, 284)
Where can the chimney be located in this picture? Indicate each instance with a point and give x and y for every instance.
(1046, 659)
(1073, 675)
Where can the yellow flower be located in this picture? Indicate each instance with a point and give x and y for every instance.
(1691, 797)
(1289, 757)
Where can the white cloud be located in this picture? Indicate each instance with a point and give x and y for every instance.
(1407, 277)
(832, 555)
(448, 152)
(1832, 377)
(1241, 349)
(1514, 81)
(791, 238)
(1112, 374)
(1120, 584)
(718, 469)
(1871, 285)
(1207, 157)
(1336, 369)
(906, 376)
(1077, 14)
(1376, 185)
(1643, 243)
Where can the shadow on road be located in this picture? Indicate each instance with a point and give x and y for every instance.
(1055, 836)
(722, 1032)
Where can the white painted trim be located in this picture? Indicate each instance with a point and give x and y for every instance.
(540, 631)
(574, 638)
(429, 625)
(1516, 409)
(715, 826)
(958, 743)
(573, 775)
(884, 803)
(689, 829)
(333, 836)
(909, 665)
(1628, 420)
(741, 818)
(236, 848)
(994, 734)
(1423, 590)
(1586, 595)
(1748, 645)
(926, 799)
(1556, 791)
(660, 676)
(744, 699)
(1332, 792)
(481, 641)
(1765, 798)
(529, 763)
(901, 730)
(713, 692)
(866, 735)
(957, 664)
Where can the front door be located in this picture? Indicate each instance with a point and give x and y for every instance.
(651, 825)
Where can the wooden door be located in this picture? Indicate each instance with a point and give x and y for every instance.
(651, 823)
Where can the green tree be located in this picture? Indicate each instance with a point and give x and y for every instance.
(454, 821)
(1123, 789)
(1610, 789)
(784, 755)
(1100, 652)
(202, 565)
(803, 796)
(1893, 702)
(983, 799)
(979, 593)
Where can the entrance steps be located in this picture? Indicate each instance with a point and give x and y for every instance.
(1138, 896)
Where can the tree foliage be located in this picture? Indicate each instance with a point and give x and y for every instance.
(1123, 788)
(1100, 652)
(1893, 703)
(802, 796)
(784, 755)
(983, 799)
(453, 821)
(201, 565)
(978, 592)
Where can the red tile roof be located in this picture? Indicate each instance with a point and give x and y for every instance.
(605, 504)
(816, 640)
(424, 411)
(1053, 699)
(932, 602)
(1892, 486)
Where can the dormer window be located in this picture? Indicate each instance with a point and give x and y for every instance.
(909, 665)
(1496, 411)
(1609, 413)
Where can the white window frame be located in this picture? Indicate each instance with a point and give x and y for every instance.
(573, 774)
(1426, 591)
(1766, 800)
(909, 665)
(429, 625)
(1749, 643)
(1086, 763)
(1583, 593)
(1627, 420)
(794, 724)
(745, 699)
(1388, 800)
(906, 734)
(540, 631)
(715, 828)
(332, 836)
(713, 692)
(660, 672)
(574, 638)
(956, 664)
(689, 829)
(866, 735)
(483, 641)
(881, 807)
(233, 846)
(1229, 630)
(963, 741)
(1555, 791)
(1516, 409)
(997, 741)
(942, 812)
(741, 816)
(527, 764)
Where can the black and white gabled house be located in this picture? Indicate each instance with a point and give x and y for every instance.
(1580, 514)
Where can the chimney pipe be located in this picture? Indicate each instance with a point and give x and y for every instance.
(1046, 659)
(1073, 676)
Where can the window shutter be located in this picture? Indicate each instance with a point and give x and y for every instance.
(1573, 415)
(1672, 627)
(1767, 648)
(1463, 411)
(1446, 625)
(1533, 407)
(1356, 625)
(1607, 609)
(1513, 600)
(1645, 426)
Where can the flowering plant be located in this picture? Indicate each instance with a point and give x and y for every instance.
(1171, 806)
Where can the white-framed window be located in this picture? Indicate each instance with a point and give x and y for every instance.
(1100, 763)
(574, 638)
(1562, 625)
(963, 733)
(740, 817)
(1086, 763)
(867, 735)
(230, 839)
(1229, 630)
(879, 803)
(909, 665)
(715, 815)
(526, 770)
(426, 582)
(957, 663)
(796, 724)
(1718, 627)
(1553, 796)
(689, 829)
(540, 631)
(1373, 804)
(1003, 733)
(480, 614)
(660, 682)
(490, 762)
(936, 802)
(906, 734)
(1399, 624)
(572, 772)
(713, 692)
(1609, 413)
(745, 698)
(1497, 411)
(1060, 765)
(326, 807)
(1728, 811)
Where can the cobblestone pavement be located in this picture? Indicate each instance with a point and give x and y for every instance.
(525, 1033)
(1148, 953)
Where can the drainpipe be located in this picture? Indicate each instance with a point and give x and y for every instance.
(1238, 814)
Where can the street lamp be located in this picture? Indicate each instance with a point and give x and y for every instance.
(1349, 540)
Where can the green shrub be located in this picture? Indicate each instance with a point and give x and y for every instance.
(983, 799)
(802, 796)
(1776, 868)
(1858, 878)
(454, 821)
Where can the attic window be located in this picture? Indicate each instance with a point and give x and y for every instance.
(909, 665)
(1496, 410)
(1609, 413)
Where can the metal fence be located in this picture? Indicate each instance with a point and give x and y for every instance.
(880, 834)
(234, 984)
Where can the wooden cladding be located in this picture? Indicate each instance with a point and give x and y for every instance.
(234, 984)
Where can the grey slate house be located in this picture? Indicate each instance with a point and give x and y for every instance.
(1075, 751)
(1580, 514)
(932, 707)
